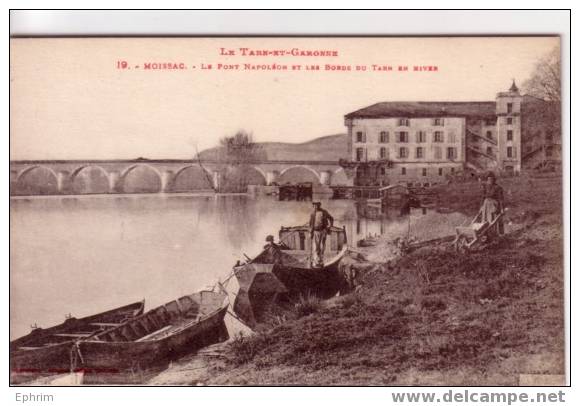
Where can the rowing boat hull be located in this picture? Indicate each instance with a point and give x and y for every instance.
(140, 355)
(55, 357)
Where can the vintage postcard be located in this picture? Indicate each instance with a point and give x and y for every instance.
(286, 211)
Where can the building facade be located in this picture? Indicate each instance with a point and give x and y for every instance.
(424, 142)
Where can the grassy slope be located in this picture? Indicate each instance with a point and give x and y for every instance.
(433, 318)
(328, 148)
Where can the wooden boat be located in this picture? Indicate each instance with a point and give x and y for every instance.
(48, 351)
(255, 291)
(292, 260)
(159, 335)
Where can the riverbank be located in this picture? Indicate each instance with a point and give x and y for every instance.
(430, 317)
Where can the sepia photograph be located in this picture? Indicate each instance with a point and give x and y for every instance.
(277, 210)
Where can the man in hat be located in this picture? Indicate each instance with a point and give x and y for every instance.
(272, 250)
(320, 223)
(492, 202)
(271, 244)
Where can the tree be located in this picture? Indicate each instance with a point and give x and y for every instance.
(545, 82)
(235, 155)
(239, 148)
(544, 115)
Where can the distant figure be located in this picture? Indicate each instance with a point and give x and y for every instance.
(492, 201)
(299, 192)
(408, 201)
(405, 204)
(320, 223)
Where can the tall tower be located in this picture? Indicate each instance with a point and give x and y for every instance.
(509, 129)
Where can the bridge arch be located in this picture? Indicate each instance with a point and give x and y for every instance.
(237, 178)
(36, 180)
(262, 172)
(89, 179)
(140, 178)
(299, 174)
(31, 168)
(13, 180)
(191, 178)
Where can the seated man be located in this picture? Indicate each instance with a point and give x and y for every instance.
(272, 251)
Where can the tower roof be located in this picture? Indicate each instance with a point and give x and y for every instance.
(514, 88)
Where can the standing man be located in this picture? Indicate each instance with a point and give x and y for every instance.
(320, 223)
(492, 203)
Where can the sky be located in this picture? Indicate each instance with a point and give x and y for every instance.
(71, 99)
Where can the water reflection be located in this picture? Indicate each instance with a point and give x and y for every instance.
(82, 255)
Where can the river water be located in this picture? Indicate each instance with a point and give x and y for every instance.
(86, 254)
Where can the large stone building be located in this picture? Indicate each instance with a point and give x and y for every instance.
(423, 142)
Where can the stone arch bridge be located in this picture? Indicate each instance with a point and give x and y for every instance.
(162, 176)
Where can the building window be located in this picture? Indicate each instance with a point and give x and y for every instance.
(489, 151)
(438, 121)
(404, 122)
(510, 135)
(384, 137)
(360, 137)
(510, 107)
(421, 136)
(452, 170)
(509, 152)
(403, 171)
(383, 153)
(383, 170)
(440, 171)
(424, 171)
(474, 138)
(509, 121)
(438, 136)
(437, 152)
(403, 153)
(403, 136)
(360, 152)
(419, 152)
(451, 137)
(451, 153)
(549, 151)
(488, 135)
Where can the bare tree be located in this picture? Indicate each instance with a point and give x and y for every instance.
(235, 154)
(545, 82)
(239, 148)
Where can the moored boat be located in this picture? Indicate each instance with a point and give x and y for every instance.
(159, 335)
(48, 351)
(254, 292)
(292, 261)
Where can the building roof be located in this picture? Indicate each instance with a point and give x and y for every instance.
(426, 109)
